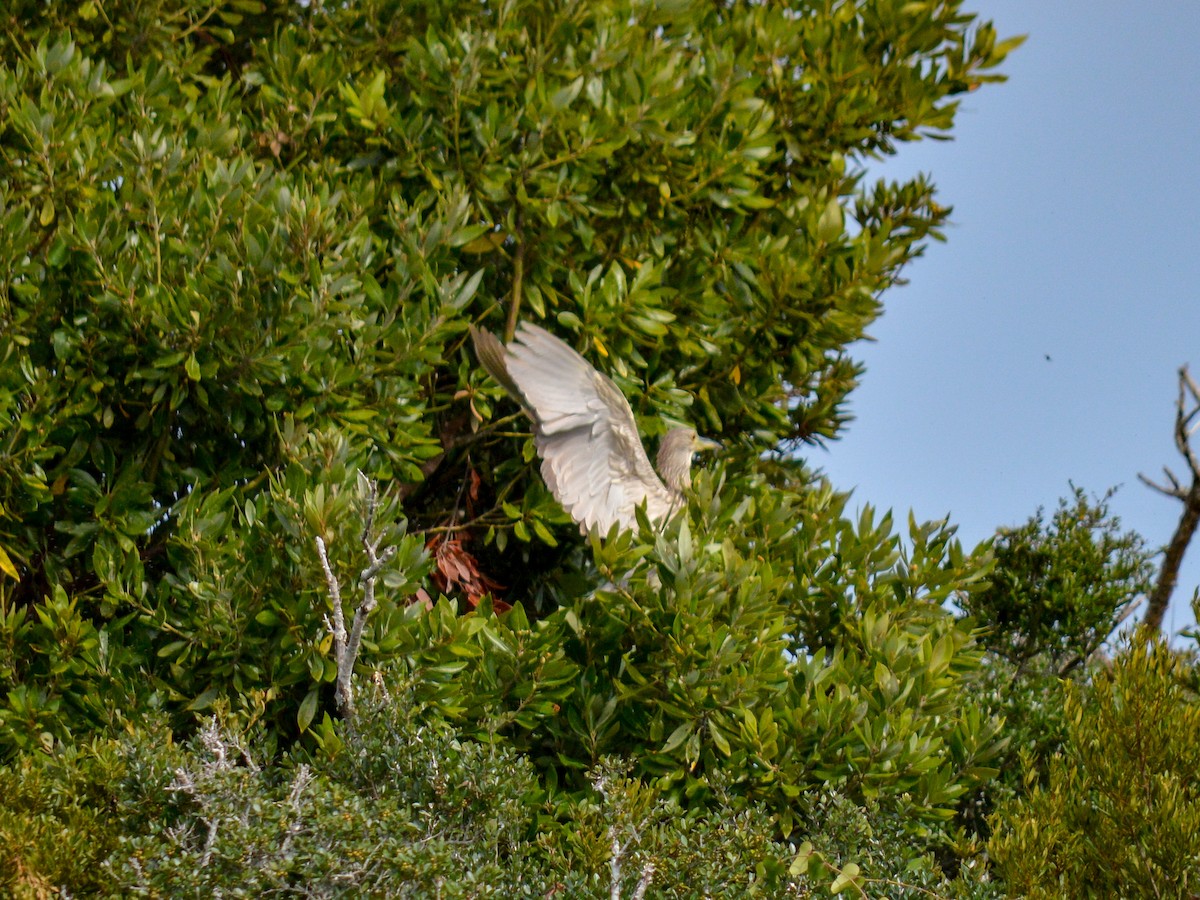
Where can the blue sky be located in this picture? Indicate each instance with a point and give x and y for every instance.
(1076, 195)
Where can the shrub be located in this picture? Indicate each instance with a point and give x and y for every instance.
(1120, 812)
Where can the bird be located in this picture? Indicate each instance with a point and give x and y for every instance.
(593, 460)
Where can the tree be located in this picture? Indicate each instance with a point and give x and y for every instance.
(1060, 588)
(1187, 408)
(241, 245)
(239, 268)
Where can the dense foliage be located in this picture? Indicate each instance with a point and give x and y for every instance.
(1119, 815)
(240, 262)
(1057, 590)
(1060, 587)
(241, 244)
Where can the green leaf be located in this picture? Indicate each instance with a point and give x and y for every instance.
(468, 234)
(485, 243)
(719, 740)
(544, 533)
(6, 565)
(845, 879)
(831, 224)
(308, 710)
(565, 96)
(678, 736)
(804, 856)
(204, 700)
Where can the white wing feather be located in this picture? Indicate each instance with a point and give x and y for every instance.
(592, 458)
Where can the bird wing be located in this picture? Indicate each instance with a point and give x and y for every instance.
(592, 457)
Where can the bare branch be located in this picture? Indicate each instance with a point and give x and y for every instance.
(1175, 490)
(335, 598)
(1186, 377)
(1183, 419)
(644, 882)
(614, 865)
(295, 797)
(346, 646)
(1187, 408)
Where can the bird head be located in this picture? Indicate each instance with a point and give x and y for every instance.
(675, 456)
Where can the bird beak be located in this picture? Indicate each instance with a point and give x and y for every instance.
(702, 443)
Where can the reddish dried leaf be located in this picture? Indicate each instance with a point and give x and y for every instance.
(457, 571)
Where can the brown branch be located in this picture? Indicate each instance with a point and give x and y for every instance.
(514, 303)
(1187, 408)
(1175, 490)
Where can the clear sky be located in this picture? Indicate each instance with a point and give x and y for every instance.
(1075, 234)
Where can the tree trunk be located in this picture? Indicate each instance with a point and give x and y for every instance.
(1168, 575)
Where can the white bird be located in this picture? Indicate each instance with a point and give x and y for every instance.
(592, 458)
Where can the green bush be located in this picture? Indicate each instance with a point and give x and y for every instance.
(407, 807)
(1057, 591)
(59, 819)
(1119, 815)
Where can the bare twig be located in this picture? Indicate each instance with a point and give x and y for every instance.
(614, 865)
(644, 882)
(619, 850)
(346, 646)
(295, 799)
(1187, 409)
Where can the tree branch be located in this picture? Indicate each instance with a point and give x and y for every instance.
(346, 646)
(514, 303)
(1187, 408)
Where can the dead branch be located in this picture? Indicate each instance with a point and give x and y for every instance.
(1187, 409)
(346, 646)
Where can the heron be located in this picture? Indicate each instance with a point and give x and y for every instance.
(593, 460)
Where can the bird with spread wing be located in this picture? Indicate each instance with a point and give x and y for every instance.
(592, 457)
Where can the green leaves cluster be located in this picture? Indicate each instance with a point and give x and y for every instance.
(698, 657)
(1119, 814)
(1060, 587)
